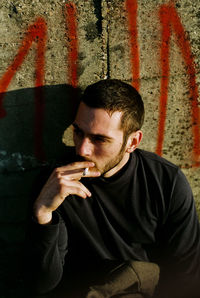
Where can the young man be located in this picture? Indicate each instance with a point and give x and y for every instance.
(114, 204)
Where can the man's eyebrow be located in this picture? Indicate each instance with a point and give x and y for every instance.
(91, 134)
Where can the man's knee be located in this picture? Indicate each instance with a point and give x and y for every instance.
(132, 279)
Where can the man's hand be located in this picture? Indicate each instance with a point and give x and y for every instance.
(64, 181)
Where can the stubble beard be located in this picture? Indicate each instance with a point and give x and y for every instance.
(109, 165)
(112, 163)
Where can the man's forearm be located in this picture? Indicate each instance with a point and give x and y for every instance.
(46, 257)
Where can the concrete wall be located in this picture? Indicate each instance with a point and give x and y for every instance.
(49, 50)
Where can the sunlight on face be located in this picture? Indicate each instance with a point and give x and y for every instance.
(99, 138)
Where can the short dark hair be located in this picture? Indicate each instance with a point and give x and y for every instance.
(114, 95)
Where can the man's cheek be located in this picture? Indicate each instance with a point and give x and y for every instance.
(103, 152)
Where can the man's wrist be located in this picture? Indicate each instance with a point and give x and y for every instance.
(42, 220)
(42, 217)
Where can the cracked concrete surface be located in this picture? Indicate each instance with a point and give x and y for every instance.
(36, 123)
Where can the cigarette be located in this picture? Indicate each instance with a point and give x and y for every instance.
(85, 171)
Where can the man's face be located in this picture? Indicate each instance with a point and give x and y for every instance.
(99, 138)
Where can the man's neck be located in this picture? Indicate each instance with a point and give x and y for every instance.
(118, 167)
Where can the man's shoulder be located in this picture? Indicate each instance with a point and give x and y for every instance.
(160, 170)
(154, 160)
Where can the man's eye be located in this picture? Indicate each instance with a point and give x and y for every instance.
(98, 140)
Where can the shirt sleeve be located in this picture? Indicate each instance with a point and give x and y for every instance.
(180, 273)
(47, 250)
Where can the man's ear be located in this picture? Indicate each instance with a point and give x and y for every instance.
(134, 140)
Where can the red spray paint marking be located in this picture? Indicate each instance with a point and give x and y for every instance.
(70, 12)
(169, 18)
(165, 21)
(132, 6)
(36, 32)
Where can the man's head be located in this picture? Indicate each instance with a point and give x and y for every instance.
(114, 95)
(107, 124)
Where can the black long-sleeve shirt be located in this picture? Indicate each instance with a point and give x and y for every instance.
(144, 212)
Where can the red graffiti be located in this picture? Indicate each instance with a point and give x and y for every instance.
(131, 6)
(170, 20)
(71, 28)
(36, 32)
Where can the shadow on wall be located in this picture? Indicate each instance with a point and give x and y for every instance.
(30, 138)
(35, 121)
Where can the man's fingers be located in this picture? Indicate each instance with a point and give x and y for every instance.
(78, 174)
(76, 170)
(76, 166)
(79, 192)
(64, 181)
(75, 188)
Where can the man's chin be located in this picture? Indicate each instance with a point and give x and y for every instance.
(95, 169)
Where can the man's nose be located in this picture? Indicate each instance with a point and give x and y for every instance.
(85, 147)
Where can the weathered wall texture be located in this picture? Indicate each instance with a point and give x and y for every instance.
(49, 50)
